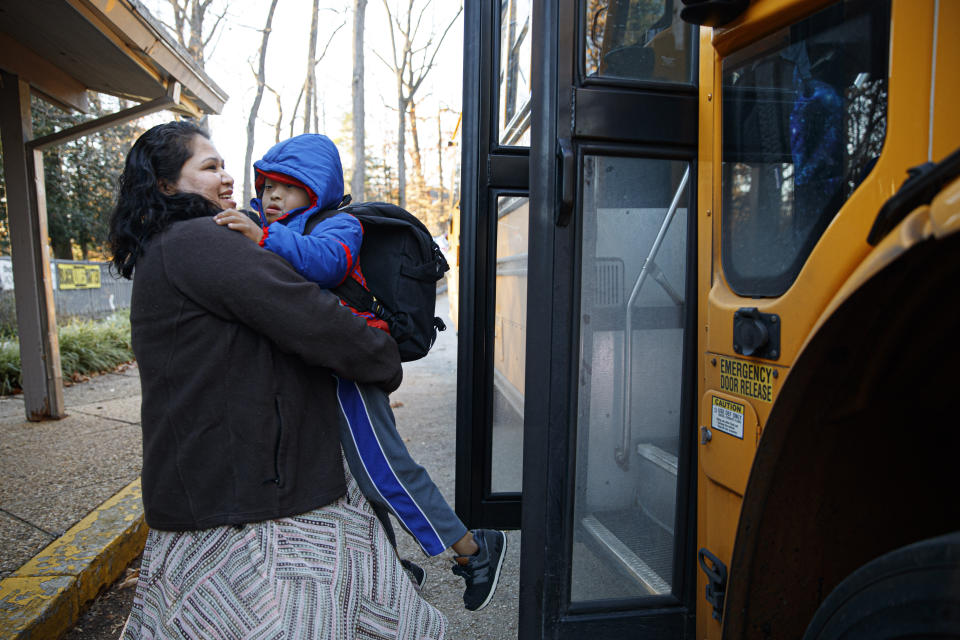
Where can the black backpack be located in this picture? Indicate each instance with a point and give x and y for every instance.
(401, 264)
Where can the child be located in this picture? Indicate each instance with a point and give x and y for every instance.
(295, 179)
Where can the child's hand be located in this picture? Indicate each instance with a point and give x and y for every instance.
(238, 221)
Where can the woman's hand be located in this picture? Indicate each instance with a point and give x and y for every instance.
(238, 221)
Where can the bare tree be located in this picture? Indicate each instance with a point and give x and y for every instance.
(276, 127)
(296, 107)
(310, 84)
(359, 143)
(419, 183)
(429, 199)
(252, 120)
(188, 19)
(308, 91)
(410, 63)
(442, 212)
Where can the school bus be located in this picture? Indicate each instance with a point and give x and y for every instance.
(708, 313)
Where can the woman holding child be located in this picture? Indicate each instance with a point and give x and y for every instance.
(256, 529)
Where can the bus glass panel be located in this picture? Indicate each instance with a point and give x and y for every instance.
(638, 39)
(804, 120)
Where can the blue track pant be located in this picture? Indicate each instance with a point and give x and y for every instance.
(386, 473)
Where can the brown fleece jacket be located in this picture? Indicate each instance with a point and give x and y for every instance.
(236, 352)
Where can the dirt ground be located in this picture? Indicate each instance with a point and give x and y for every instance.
(107, 614)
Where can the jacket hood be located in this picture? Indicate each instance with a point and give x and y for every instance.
(311, 159)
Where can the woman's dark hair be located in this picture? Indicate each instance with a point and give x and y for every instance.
(142, 209)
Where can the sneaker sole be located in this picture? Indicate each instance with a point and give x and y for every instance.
(423, 580)
(417, 585)
(496, 573)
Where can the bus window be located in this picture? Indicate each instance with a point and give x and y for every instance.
(638, 39)
(804, 119)
(515, 73)
(509, 344)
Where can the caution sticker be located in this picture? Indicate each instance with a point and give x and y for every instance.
(727, 417)
(745, 378)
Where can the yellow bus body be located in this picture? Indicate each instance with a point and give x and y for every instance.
(922, 126)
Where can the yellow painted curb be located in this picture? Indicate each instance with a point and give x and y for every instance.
(37, 607)
(43, 598)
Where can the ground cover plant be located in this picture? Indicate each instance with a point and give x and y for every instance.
(86, 347)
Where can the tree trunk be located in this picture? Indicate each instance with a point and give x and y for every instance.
(418, 179)
(276, 128)
(442, 209)
(178, 22)
(401, 148)
(188, 17)
(195, 43)
(296, 108)
(252, 120)
(359, 178)
(309, 112)
(62, 249)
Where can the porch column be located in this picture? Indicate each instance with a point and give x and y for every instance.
(27, 224)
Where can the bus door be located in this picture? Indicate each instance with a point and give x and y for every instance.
(492, 261)
(608, 453)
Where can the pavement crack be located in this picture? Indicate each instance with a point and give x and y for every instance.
(53, 536)
(100, 415)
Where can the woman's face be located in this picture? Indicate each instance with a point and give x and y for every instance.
(204, 174)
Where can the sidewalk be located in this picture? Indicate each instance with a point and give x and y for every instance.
(71, 516)
(70, 512)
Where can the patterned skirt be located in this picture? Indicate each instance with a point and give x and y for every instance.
(326, 574)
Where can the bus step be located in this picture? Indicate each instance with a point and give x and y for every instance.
(636, 543)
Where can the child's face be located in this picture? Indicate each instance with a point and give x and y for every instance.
(280, 197)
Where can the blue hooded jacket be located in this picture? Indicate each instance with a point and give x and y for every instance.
(329, 254)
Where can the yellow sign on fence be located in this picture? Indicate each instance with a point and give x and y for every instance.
(78, 276)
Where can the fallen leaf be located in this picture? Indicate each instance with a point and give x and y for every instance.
(131, 580)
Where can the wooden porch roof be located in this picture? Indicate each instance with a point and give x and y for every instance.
(64, 47)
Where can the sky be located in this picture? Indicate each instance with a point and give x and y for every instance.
(235, 49)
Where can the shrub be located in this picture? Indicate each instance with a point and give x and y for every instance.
(86, 347)
(9, 366)
(8, 316)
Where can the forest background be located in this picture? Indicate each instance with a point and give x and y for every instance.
(382, 78)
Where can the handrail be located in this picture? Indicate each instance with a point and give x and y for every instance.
(621, 453)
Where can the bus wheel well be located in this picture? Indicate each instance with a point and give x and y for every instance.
(860, 449)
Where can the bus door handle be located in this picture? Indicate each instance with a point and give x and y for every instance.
(567, 181)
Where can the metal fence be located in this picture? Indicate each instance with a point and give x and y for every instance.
(80, 288)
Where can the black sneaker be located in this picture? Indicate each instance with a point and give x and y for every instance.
(416, 573)
(482, 571)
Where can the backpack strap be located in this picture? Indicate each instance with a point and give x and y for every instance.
(317, 217)
(351, 291)
(362, 299)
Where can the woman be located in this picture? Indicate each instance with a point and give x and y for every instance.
(254, 530)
